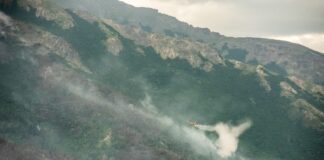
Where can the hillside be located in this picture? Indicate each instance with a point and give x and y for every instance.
(76, 85)
(286, 58)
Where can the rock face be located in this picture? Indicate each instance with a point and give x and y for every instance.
(199, 55)
(106, 90)
(315, 90)
(301, 110)
(48, 11)
(278, 56)
(287, 90)
(5, 21)
(27, 35)
(114, 45)
(310, 115)
(46, 43)
(263, 82)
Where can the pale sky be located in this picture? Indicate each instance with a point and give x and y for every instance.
(299, 21)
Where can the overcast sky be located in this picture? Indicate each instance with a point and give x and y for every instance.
(300, 21)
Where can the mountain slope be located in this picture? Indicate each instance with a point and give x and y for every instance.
(89, 92)
(279, 56)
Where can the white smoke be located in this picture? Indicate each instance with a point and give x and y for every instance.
(228, 134)
(224, 146)
(228, 140)
(196, 139)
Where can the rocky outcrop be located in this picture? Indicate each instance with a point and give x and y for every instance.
(113, 43)
(46, 43)
(245, 68)
(313, 89)
(293, 59)
(45, 9)
(287, 90)
(5, 21)
(198, 54)
(300, 109)
(311, 117)
(262, 78)
(6, 25)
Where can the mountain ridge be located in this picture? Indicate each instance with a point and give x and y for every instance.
(295, 59)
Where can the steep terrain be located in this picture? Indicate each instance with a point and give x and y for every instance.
(278, 56)
(78, 86)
